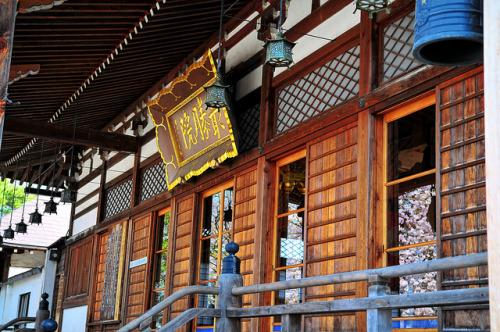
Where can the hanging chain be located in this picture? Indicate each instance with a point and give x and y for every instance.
(28, 178)
(220, 35)
(13, 196)
(3, 196)
(70, 172)
(54, 171)
(39, 175)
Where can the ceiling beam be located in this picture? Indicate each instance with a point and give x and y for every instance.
(84, 137)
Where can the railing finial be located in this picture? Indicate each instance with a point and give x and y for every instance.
(231, 263)
(44, 304)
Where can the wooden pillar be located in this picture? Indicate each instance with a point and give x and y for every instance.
(7, 21)
(379, 320)
(492, 142)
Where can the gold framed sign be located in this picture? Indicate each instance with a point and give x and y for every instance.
(191, 137)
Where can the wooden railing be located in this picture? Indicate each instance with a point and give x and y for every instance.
(43, 322)
(378, 305)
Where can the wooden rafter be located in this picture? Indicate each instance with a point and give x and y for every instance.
(84, 137)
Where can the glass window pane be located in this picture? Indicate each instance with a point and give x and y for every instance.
(160, 270)
(410, 144)
(291, 239)
(228, 210)
(157, 298)
(163, 228)
(289, 296)
(292, 187)
(226, 238)
(211, 215)
(206, 301)
(209, 256)
(411, 212)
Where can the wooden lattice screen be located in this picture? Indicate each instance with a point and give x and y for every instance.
(109, 267)
(244, 229)
(319, 90)
(463, 193)
(153, 182)
(118, 199)
(248, 122)
(397, 57)
(331, 222)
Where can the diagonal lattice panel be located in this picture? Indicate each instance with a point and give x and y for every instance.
(397, 50)
(153, 181)
(320, 90)
(118, 199)
(248, 126)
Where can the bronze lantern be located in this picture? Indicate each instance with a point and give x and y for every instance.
(36, 217)
(21, 227)
(51, 206)
(372, 6)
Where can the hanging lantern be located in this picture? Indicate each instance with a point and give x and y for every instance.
(217, 94)
(372, 6)
(21, 227)
(36, 217)
(279, 51)
(8, 233)
(51, 206)
(68, 196)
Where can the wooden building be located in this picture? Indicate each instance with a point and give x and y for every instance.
(357, 157)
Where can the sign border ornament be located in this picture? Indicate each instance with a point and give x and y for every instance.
(174, 103)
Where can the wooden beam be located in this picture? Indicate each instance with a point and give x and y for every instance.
(7, 21)
(85, 137)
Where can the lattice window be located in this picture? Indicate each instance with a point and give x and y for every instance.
(320, 90)
(154, 181)
(118, 199)
(397, 50)
(248, 126)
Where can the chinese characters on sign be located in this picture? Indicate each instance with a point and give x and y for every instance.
(189, 136)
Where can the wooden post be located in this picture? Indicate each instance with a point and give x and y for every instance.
(42, 313)
(228, 279)
(492, 143)
(7, 21)
(291, 323)
(378, 320)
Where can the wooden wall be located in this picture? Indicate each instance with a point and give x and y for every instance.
(244, 229)
(182, 251)
(79, 271)
(331, 221)
(137, 279)
(463, 195)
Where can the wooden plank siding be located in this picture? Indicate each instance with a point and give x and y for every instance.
(462, 198)
(137, 277)
(244, 229)
(182, 252)
(79, 271)
(331, 221)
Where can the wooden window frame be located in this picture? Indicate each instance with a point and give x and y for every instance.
(384, 118)
(280, 163)
(154, 254)
(218, 189)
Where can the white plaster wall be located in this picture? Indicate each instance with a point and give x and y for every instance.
(87, 220)
(297, 11)
(149, 149)
(74, 319)
(331, 29)
(9, 297)
(242, 51)
(120, 168)
(249, 83)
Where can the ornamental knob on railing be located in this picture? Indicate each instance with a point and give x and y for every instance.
(44, 304)
(231, 263)
(49, 325)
